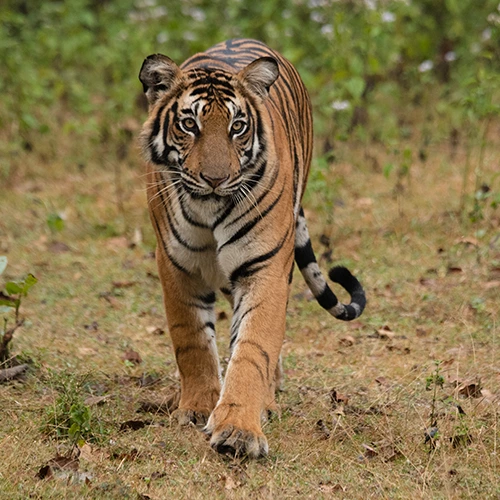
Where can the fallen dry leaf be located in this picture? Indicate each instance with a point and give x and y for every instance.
(118, 242)
(337, 398)
(331, 488)
(370, 451)
(491, 284)
(323, 429)
(134, 425)
(230, 483)
(96, 400)
(113, 301)
(92, 327)
(87, 351)
(421, 332)
(470, 390)
(65, 469)
(385, 333)
(132, 357)
(347, 341)
(155, 330)
(123, 284)
(469, 241)
(58, 247)
(382, 381)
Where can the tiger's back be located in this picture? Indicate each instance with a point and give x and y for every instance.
(228, 146)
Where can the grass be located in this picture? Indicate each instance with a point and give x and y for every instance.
(432, 280)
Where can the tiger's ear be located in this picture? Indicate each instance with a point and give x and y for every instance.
(259, 75)
(158, 75)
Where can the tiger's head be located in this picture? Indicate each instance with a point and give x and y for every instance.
(205, 125)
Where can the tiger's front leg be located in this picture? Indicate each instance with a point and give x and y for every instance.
(189, 307)
(260, 315)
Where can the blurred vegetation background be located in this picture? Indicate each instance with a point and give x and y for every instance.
(384, 71)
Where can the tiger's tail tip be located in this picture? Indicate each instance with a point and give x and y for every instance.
(342, 276)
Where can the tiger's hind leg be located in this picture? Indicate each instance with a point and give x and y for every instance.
(189, 307)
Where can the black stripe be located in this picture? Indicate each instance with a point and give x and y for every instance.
(304, 255)
(209, 298)
(259, 200)
(187, 217)
(253, 363)
(327, 299)
(224, 214)
(176, 233)
(264, 354)
(236, 326)
(246, 228)
(252, 266)
(172, 260)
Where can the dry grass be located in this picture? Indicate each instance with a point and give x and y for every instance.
(431, 276)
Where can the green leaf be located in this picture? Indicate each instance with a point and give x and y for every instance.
(55, 222)
(355, 86)
(388, 168)
(29, 281)
(7, 302)
(13, 288)
(3, 263)
(5, 309)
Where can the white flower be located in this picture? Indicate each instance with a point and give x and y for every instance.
(341, 105)
(189, 35)
(146, 3)
(388, 17)
(317, 3)
(158, 12)
(316, 17)
(327, 29)
(486, 35)
(450, 56)
(162, 37)
(493, 18)
(371, 4)
(425, 66)
(198, 14)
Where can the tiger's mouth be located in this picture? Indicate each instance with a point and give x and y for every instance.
(210, 190)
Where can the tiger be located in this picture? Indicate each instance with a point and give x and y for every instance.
(227, 147)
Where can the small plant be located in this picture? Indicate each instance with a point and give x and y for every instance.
(55, 223)
(432, 382)
(69, 417)
(10, 302)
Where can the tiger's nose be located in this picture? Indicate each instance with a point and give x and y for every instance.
(214, 181)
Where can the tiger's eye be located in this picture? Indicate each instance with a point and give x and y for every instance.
(238, 127)
(189, 124)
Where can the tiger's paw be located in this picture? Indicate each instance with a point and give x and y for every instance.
(232, 434)
(184, 416)
(239, 442)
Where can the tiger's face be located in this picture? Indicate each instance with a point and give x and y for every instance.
(206, 126)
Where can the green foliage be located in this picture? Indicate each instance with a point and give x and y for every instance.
(55, 223)
(15, 290)
(435, 379)
(10, 302)
(70, 66)
(69, 417)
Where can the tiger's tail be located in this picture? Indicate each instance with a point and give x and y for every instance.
(306, 260)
